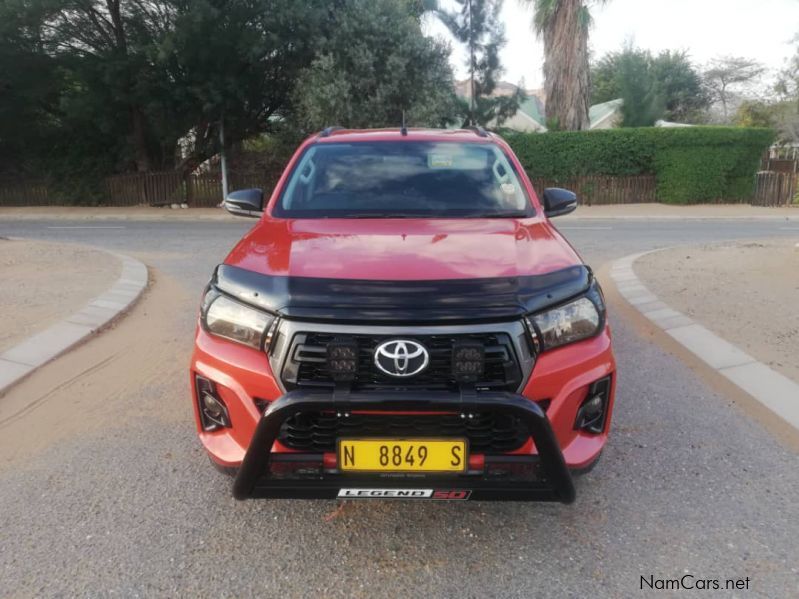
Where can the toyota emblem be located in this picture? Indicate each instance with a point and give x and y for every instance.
(401, 357)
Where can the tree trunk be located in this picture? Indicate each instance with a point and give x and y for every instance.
(138, 120)
(472, 100)
(566, 71)
(143, 162)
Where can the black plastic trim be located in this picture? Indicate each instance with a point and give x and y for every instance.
(477, 129)
(328, 131)
(253, 478)
(408, 302)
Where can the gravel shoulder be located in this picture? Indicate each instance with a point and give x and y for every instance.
(746, 292)
(45, 282)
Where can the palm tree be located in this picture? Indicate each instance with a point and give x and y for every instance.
(564, 25)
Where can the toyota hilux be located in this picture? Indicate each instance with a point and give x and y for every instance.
(403, 321)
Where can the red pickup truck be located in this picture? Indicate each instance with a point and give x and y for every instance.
(403, 321)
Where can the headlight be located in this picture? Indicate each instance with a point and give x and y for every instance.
(577, 320)
(227, 318)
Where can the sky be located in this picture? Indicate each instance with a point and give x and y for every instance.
(758, 29)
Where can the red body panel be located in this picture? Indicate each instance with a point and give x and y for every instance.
(404, 249)
(562, 376)
(412, 249)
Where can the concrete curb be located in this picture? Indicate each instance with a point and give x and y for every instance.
(775, 391)
(28, 356)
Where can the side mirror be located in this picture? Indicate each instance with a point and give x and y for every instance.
(558, 202)
(246, 202)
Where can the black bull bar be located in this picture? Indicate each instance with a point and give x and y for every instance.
(254, 480)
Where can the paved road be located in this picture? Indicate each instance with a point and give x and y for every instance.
(688, 484)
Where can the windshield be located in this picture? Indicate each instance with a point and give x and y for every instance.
(403, 180)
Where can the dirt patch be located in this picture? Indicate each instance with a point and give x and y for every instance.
(748, 293)
(46, 282)
(106, 382)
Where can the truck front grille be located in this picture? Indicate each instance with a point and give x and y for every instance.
(487, 432)
(306, 363)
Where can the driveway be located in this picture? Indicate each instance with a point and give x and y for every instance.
(105, 490)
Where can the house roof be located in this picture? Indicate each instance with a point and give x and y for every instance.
(600, 112)
(532, 108)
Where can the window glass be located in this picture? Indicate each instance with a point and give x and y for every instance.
(403, 179)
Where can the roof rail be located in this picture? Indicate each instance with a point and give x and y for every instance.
(328, 130)
(477, 129)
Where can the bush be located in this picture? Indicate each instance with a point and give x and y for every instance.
(691, 164)
(708, 163)
(563, 155)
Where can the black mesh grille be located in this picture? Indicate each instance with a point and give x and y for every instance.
(489, 432)
(306, 365)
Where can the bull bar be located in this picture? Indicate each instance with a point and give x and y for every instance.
(254, 480)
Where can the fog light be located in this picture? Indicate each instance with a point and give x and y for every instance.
(468, 361)
(213, 412)
(342, 360)
(591, 414)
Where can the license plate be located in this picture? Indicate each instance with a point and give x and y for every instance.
(402, 455)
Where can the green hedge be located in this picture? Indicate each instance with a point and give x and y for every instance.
(691, 164)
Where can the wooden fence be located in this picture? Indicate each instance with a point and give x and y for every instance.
(154, 189)
(205, 190)
(598, 190)
(25, 193)
(774, 188)
(198, 190)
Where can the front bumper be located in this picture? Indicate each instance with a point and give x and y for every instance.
(540, 477)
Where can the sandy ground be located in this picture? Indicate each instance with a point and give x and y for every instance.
(80, 393)
(45, 282)
(746, 292)
(631, 211)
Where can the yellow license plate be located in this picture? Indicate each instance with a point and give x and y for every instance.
(405, 455)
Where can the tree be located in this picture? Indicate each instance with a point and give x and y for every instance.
(95, 87)
(476, 25)
(780, 115)
(727, 76)
(680, 84)
(564, 26)
(629, 75)
(755, 113)
(236, 60)
(642, 95)
(784, 113)
(375, 65)
(143, 85)
(29, 89)
(788, 79)
(664, 86)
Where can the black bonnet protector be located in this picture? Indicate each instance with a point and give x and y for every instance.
(449, 301)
